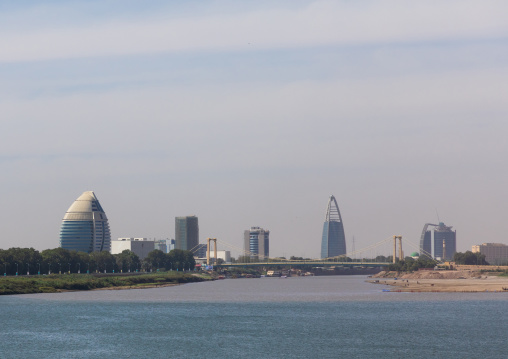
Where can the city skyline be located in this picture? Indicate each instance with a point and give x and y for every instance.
(252, 113)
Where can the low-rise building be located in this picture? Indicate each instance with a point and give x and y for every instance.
(495, 253)
(140, 246)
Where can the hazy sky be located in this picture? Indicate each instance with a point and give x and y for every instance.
(252, 113)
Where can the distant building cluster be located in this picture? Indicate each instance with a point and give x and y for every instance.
(85, 228)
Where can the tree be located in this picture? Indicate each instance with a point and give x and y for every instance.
(127, 261)
(102, 261)
(470, 258)
(243, 259)
(21, 260)
(181, 259)
(155, 259)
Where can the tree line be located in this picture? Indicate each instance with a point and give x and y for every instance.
(409, 264)
(59, 260)
(470, 258)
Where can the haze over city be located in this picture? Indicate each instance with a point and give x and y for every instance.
(253, 114)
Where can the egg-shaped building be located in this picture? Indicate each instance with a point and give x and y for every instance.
(85, 227)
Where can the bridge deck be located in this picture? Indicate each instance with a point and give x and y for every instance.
(307, 263)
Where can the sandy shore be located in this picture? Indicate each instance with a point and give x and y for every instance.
(444, 281)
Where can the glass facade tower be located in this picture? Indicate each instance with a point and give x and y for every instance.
(186, 233)
(445, 242)
(85, 227)
(333, 242)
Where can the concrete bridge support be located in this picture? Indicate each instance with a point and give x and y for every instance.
(401, 253)
(214, 240)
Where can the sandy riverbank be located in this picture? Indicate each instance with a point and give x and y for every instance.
(443, 281)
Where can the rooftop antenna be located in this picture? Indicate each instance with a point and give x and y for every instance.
(437, 214)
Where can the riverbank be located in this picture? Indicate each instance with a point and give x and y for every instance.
(76, 282)
(442, 281)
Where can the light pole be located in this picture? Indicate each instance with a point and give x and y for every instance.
(69, 268)
(79, 268)
(49, 268)
(88, 268)
(17, 267)
(60, 270)
(39, 272)
(28, 269)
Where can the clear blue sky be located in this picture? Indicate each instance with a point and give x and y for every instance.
(251, 114)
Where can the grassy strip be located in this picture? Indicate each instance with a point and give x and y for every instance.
(55, 282)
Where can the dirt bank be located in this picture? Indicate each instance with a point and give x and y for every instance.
(442, 281)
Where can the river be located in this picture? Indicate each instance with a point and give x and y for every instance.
(299, 317)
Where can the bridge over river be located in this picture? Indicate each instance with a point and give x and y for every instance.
(313, 263)
(338, 261)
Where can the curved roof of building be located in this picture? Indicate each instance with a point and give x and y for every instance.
(83, 208)
(415, 254)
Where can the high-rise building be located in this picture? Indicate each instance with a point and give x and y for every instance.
(426, 249)
(445, 242)
(256, 243)
(85, 227)
(426, 241)
(333, 242)
(186, 232)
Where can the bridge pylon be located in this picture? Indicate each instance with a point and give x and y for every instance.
(401, 253)
(214, 240)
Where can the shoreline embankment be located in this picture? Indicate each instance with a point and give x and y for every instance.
(469, 281)
(83, 282)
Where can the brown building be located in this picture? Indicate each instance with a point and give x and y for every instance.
(495, 253)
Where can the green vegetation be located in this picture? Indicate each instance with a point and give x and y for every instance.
(17, 262)
(55, 282)
(469, 258)
(409, 264)
(59, 260)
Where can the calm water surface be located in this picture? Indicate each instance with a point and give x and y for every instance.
(308, 317)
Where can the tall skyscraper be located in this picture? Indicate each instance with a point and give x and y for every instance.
(85, 227)
(445, 242)
(426, 241)
(256, 243)
(186, 232)
(334, 240)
